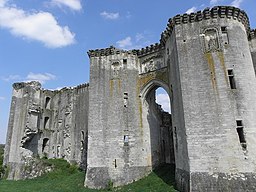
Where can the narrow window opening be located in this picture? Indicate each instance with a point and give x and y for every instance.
(225, 35)
(240, 132)
(45, 143)
(126, 140)
(115, 164)
(47, 102)
(231, 79)
(124, 61)
(125, 99)
(82, 135)
(46, 122)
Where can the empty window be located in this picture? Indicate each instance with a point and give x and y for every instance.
(240, 132)
(46, 122)
(45, 144)
(115, 164)
(224, 29)
(225, 35)
(47, 102)
(126, 140)
(124, 61)
(125, 99)
(231, 79)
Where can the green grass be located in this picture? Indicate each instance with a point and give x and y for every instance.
(67, 178)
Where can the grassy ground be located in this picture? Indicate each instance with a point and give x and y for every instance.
(68, 178)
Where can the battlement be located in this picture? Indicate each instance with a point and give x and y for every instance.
(214, 13)
(108, 51)
(150, 49)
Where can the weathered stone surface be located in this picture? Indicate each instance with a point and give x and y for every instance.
(46, 123)
(206, 63)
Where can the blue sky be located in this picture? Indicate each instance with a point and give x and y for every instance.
(47, 40)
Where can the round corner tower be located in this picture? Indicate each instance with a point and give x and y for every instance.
(214, 105)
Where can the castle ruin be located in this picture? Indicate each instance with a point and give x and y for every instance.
(114, 129)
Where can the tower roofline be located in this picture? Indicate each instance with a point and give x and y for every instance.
(213, 13)
(229, 12)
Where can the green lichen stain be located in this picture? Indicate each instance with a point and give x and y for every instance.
(222, 62)
(119, 85)
(211, 65)
(140, 108)
(111, 86)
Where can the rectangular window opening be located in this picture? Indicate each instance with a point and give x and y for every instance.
(124, 61)
(225, 35)
(240, 132)
(231, 79)
(115, 164)
(125, 99)
(126, 140)
(224, 29)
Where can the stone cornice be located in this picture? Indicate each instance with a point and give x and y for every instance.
(109, 51)
(216, 12)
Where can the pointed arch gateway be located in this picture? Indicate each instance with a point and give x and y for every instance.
(157, 124)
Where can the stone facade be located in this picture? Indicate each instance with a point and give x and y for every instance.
(46, 123)
(205, 61)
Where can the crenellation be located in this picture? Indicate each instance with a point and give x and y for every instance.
(228, 12)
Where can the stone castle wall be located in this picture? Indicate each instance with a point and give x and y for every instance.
(206, 63)
(46, 123)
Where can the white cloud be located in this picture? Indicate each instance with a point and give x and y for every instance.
(139, 37)
(214, 2)
(11, 78)
(39, 26)
(108, 15)
(191, 10)
(2, 98)
(163, 100)
(41, 77)
(140, 40)
(125, 43)
(72, 4)
(237, 3)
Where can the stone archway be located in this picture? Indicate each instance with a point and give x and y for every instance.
(157, 125)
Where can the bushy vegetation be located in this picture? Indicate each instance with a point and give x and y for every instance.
(68, 178)
(1, 159)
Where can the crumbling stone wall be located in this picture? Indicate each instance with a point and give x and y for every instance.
(46, 123)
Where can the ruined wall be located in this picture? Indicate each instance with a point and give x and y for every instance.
(46, 123)
(24, 105)
(217, 81)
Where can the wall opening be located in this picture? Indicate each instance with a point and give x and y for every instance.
(240, 132)
(231, 79)
(45, 145)
(46, 122)
(47, 102)
(157, 112)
